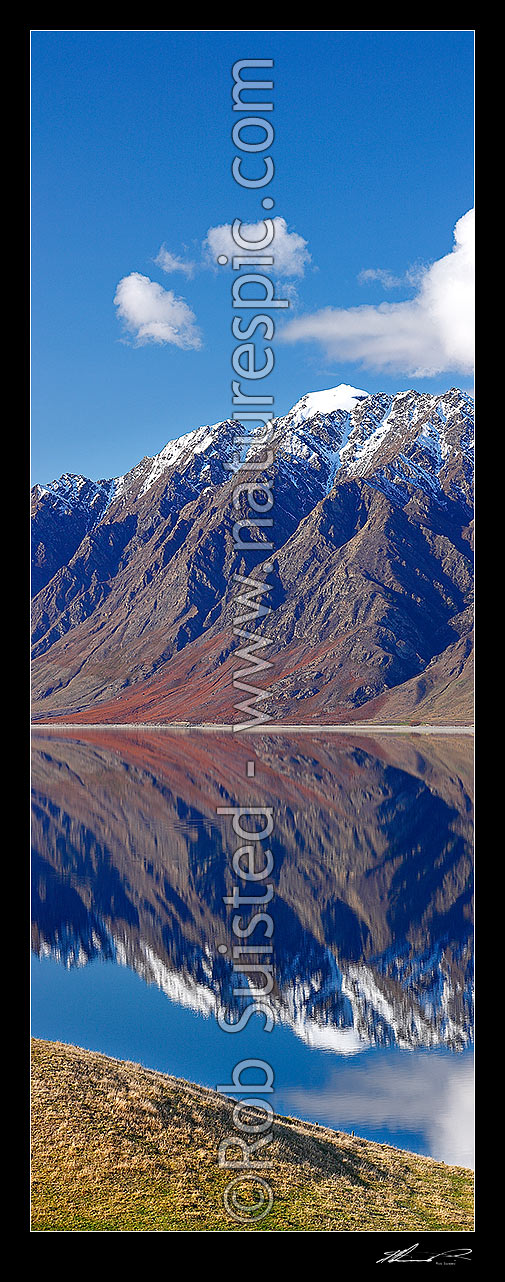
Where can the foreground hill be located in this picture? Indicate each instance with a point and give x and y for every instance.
(369, 584)
(118, 1148)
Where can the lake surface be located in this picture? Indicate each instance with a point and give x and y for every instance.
(371, 946)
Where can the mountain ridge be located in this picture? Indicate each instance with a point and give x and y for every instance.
(372, 526)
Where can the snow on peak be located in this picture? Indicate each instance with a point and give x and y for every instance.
(214, 439)
(76, 492)
(342, 397)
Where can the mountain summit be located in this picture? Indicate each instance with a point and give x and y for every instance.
(342, 397)
(371, 591)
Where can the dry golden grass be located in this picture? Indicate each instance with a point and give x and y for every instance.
(117, 1147)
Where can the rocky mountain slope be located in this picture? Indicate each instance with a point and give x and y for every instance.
(370, 576)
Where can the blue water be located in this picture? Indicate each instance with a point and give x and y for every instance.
(373, 871)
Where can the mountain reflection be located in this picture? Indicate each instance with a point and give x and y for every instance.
(373, 869)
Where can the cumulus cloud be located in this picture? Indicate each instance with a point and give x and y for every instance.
(152, 314)
(426, 335)
(288, 248)
(171, 263)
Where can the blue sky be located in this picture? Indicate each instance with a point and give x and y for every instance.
(132, 151)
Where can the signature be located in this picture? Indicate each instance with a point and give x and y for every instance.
(439, 1257)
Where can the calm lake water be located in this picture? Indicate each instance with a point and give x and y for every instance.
(371, 846)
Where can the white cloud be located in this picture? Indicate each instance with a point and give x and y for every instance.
(384, 277)
(153, 314)
(288, 249)
(171, 263)
(423, 336)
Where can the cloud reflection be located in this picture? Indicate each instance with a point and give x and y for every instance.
(430, 1094)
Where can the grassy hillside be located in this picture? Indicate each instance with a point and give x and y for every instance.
(117, 1147)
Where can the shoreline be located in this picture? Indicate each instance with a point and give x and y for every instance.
(268, 728)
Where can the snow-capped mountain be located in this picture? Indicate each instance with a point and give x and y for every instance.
(330, 401)
(64, 511)
(342, 428)
(410, 441)
(150, 550)
(78, 493)
(396, 443)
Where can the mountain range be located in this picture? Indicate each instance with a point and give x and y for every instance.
(368, 582)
